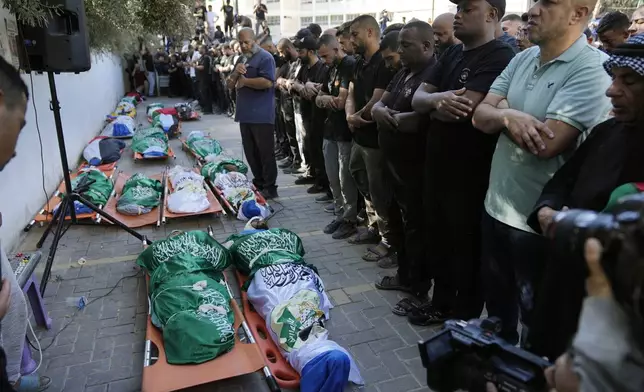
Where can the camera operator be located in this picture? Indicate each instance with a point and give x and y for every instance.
(610, 157)
(607, 351)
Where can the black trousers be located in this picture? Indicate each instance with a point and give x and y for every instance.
(406, 164)
(205, 95)
(289, 128)
(281, 140)
(312, 148)
(454, 205)
(258, 143)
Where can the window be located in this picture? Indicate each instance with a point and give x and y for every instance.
(307, 1)
(322, 20)
(272, 1)
(337, 19)
(321, 1)
(306, 20)
(335, 1)
(351, 17)
(273, 20)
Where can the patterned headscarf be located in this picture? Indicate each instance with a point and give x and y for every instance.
(632, 61)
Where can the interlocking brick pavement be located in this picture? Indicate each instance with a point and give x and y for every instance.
(100, 349)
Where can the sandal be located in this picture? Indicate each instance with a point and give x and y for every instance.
(405, 306)
(365, 237)
(427, 315)
(389, 261)
(32, 383)
(376, 253)
(392, 283)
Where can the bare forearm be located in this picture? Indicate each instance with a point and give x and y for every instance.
(232, 80)
(489, 119)
(424, 102)
(258, 83)
(408, 122)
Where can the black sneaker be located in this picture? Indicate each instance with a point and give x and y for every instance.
(315, 189)
(286, 164)
(302, 180)
(269, 193)
(333, 226)
(346, 230)
(362, 215)
(293, 169)
(324, 198)
(330, 208)
(258, 185)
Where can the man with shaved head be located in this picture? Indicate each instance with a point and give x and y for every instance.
(444, 32)
(541, 106)
(337, 137)
(253, 78)
(637, 22)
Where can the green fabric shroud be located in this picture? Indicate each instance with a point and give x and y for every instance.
(139, 196)
(191, 304)
(99, 190)
(194, 243)
(143, 139)
(189, 299)
(151, 108)
(260, 249)
(204, 146)
(223, 164)
(130, 100)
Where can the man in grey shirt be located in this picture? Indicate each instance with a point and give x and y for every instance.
(542, 105)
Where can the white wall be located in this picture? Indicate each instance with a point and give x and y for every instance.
(85, 100)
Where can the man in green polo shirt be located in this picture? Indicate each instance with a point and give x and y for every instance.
(542, 105)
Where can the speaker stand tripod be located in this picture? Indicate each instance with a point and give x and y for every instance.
(71, 196)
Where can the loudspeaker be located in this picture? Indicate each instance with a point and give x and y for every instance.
(62, 45)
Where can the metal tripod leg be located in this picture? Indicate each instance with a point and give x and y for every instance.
(51, 223)
(58, 234)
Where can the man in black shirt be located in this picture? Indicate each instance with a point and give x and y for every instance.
(204, 80)
(285, 74)
(260, 11)
(229, 18)
(401, 135)
(370, 80)
(150, 71)
(344, 37)
(219, 35)
(443, 27)
(458, 159)
(307, 85)
(337, 137)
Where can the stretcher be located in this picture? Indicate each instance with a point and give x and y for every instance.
(215, 207)
(283, 372)
(244, 358)
(139, 157)
(227, 206)
(132, 221)
(46, 213)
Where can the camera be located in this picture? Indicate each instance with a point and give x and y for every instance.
(466, 355)
(621, 233)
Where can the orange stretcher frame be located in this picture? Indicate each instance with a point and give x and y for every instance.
(132, 221)
(244, 358)
(283, 372)
(139, 157)
(215, 206)
(227, 206)
(46, 213)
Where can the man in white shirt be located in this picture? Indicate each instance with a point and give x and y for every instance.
(193, 72)
(211, 19)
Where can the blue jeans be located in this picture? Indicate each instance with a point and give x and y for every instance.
(513, 263)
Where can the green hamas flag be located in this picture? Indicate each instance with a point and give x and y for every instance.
(99, 190)
(191, 304)
(194, 243)
(275, 246)
(148, 133)
(204, 146)
(290, 317)
(139, 196)
(223, 164)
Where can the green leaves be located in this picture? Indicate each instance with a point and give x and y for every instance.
(118, 25)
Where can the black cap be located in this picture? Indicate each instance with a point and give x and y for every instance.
(308, 43)
(525, 17)
(301, 34)
(498, 4)
(315, 29)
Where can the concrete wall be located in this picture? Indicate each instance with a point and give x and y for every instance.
(85, 100)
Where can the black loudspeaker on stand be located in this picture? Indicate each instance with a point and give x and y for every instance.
(61, 46)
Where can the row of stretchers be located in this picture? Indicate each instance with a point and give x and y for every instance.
(197, 334)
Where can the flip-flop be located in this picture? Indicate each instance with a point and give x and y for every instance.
(365, 237)
(391, 283)
(375, 253)
(427, 315)
(33, 383)
(405, 306)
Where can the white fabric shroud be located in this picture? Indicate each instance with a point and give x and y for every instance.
(291, 297)
(189, 194)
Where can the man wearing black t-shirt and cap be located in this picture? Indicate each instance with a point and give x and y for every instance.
(370, 80)
(458, 159)
(307, 85)
(229, 18)
(401, 135)
(204, 80)
(337, 138)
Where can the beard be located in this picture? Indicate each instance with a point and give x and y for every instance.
(360, 48)
(305, 59)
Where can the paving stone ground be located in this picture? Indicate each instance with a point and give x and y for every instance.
(100, 349)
